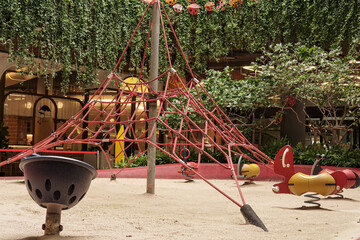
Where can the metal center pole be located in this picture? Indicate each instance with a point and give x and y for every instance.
(154, 73)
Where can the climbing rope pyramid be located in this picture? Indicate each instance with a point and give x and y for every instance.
(181, 116)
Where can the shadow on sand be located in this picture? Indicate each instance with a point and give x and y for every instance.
(340, 198)
(311, 208)
(56, 238)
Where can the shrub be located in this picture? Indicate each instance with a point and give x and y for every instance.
(338, 155)
(140, 161)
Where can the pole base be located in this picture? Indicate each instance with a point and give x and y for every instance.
(251, 217)
(112, 177)
(52, 224)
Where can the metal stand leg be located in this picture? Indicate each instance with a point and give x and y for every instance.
(52, 224)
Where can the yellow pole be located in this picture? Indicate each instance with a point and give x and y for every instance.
(119, 146)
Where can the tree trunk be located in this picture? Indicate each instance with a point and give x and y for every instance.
(291, 128)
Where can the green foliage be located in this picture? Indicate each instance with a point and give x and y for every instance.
(163, 158)
(237, 97)
(217, 155)
(338, 155)
(323, 79)
(91, 34)
(4, 133)
(178, 106)
(140, 161)
(243, 96)
(272, 148)
(245, 101)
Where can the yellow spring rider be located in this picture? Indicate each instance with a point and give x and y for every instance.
(247, 171)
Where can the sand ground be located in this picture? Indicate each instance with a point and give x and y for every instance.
(122, 210)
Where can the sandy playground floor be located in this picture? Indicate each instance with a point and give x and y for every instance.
(122, 210)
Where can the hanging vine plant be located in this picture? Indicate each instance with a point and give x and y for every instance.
(87, 35)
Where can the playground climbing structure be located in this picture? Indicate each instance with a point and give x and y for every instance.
(201, 125)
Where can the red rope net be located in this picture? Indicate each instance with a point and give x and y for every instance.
(196, 127)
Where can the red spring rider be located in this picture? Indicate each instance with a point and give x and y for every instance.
(247, 171)
(188, 169)
(299, 183)
(352, 178)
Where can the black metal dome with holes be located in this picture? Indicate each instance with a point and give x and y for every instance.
(54, 179)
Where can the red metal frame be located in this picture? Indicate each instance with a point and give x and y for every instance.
(216, 132)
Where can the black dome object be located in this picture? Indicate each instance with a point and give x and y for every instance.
(54, 179)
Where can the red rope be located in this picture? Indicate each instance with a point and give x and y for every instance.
(165, 39)
(177, 41)
(127, 107)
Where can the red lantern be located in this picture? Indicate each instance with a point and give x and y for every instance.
(290, 102)
(193, 9)
(221, 6)
(209, 6)
(177, 8)
(171, 2)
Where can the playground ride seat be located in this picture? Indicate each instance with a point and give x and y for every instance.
(187, 170)
(352, 178)
(247, 171)
(56, 183)
(300, 183)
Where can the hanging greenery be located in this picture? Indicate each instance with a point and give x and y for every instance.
(87, 35)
